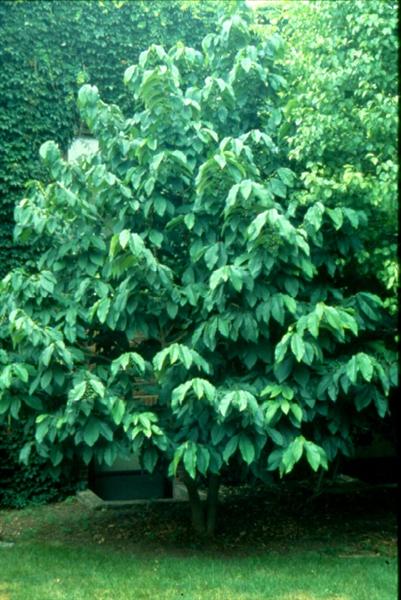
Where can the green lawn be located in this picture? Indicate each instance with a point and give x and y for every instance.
(66, 551)
(49, 572)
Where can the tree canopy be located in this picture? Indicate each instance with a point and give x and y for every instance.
(48, 50)
(187, 305)
(342, 119)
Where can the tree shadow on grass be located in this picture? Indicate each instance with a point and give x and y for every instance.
(251, 520)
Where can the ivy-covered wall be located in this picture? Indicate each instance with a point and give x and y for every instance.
(47, 50)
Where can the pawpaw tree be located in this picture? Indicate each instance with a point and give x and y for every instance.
(186, 306)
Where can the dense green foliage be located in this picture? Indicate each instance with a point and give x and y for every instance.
(342, 119)
(179, 267)
(341, 125)
(30, 484)
(49, 49)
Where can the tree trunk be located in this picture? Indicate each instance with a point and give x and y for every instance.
(211, 507)
(203, 515)
(197, 508)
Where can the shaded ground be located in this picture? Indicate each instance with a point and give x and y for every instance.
(345, 522)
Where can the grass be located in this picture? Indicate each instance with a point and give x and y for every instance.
(307, 552)
(41, 572)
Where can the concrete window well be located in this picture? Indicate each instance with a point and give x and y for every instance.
(126, 480)
(125, 484)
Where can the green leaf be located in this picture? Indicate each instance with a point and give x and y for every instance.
(113, 245)
(285, 406)
(25, 452)
(56, 456)
(287, 392)
(271, 410)
(246, 64)
(156, 237)
(172, 309)
(46, 355)
(352, 369)
(278, 188)
(221, 274)
(225, 403)
(160, 206)
(381, 403)
(103, 309)
(314, 215)
(292, 454)
(212, 256)
(205, 388)
(315, 455)
(149, 185)
(137, 360)
(46, 378)
(49, 151)
(189, 220)
(97, 387)
(286, 175)
(185, 356)
(118, 411)
(6, 377)
(247, 449)
(223, 325)
(190, 459)
(203, 459)
(365, 365)
(21, 372)
(297, 412)
(87, 455)
(176, 460)
(5, 402)
(42, 428)
(221, 161)
(283, 369)
(275, 459)
(179, 393)
(281, 348)
(363, 398)
(297, 346)
(77, 392)
(124, 237)
(333, 318)
(236, 278)
(110, 455)
(257, 225)
(297, 448)
(230, 448)
(106, 431)
(336, 216)
(290, 303)
(352, 217)
(149, 459)
(312, 324)
(246, 188)
(277, 309)
(292, 286)
(91, 432)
